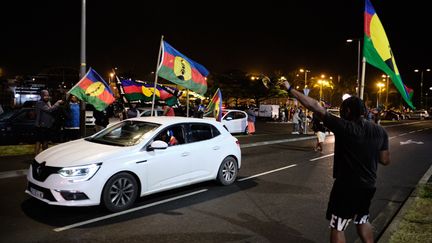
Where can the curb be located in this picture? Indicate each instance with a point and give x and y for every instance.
(394, 225)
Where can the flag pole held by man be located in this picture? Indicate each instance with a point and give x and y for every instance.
(93, 90)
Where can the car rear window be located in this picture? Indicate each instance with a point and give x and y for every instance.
(200, 132)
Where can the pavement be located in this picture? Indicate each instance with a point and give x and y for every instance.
(395, 222)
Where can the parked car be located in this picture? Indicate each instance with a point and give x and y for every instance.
(235, 121)
(391, 115)
(133, 158)
(18, 126)
(419, 114)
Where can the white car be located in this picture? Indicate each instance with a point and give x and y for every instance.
(234, 120)
(132, 158)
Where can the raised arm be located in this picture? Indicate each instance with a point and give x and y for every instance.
(308, 102)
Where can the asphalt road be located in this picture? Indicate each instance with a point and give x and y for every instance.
(280, 196)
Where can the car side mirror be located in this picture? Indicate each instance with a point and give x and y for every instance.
(158, 144)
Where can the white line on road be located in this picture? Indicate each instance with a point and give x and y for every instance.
(402, 134)
(322, 157)
(249, 145)
(268, 172)
(412, 132)
(13, 173)
(126, 211)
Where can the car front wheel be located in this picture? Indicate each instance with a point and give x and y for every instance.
(120, 192)
(227, 171)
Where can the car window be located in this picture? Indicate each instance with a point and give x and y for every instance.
(239, 115)
(200, 132)
(125, 133)
(26, 115)
(173, 135)
(230, 114)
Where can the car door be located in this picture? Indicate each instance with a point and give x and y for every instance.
(205, 157)
(232, 122)
(23, 124)
(167, 168)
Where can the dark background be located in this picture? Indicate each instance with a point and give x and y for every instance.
(256, 37)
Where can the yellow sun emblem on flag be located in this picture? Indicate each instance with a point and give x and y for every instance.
(95, 89)
(149, 91)
(182, 68)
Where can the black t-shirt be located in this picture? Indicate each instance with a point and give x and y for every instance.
(357, 148)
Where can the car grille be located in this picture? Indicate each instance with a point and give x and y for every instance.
(46, 192)
(40, 172)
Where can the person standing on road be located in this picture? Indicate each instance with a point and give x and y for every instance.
(133, 111)
(101, 119)
(359, 146)
(72, 122)
(319, 130)
(168, 111)
(251, 120)
(44, 121)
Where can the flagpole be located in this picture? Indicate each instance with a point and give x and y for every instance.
(187, 102)
(363, 78)
(156, 75)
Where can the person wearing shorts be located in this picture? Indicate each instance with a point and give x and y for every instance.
(359, 146)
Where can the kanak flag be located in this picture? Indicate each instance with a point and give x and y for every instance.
(93, 90)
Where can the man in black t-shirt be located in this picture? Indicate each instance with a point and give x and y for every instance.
(359, 146)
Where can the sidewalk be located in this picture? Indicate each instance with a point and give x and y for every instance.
(413, 222)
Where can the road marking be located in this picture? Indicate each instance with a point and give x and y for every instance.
(13, 173)
(268, 172)
(403, 124)
(322, 157)
(412, 132)
(126, 211)
(402, 134)
(249, 145)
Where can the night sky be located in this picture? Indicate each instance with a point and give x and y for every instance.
(256, 37)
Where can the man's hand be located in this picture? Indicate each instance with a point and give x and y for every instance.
(287, 85)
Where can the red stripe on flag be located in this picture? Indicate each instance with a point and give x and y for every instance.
(168, 60)
(85, 83)
(198, 78)
(367, 21)
(132, 89)
(106, 97)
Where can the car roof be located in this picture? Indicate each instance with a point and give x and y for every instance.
(168, 120)
(227, 110)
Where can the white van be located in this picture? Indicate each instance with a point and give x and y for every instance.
(269, 111)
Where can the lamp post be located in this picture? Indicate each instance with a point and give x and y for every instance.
(380, 86)
(305, 71)
(386, 79)
(421, 84)
(358, 62)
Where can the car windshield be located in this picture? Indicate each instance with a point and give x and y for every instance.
(126, 133)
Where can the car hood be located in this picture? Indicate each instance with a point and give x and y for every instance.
(78, 152)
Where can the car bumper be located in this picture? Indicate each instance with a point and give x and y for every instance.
(57, 190)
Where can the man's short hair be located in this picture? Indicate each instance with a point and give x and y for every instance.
(355, 106)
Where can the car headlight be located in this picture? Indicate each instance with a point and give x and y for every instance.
(80, 173)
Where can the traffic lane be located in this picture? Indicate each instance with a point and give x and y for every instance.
(409, 162)
(396, 181)
(37, 214)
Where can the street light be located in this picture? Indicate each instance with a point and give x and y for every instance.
(380, 86)
(305, 71)
(386, 79)
(322, 83)
(358, 62)
(421, 84)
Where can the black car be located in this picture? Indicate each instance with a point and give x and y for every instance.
(391, 115)
(18, 126)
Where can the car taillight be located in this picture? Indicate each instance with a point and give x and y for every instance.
(238, 143)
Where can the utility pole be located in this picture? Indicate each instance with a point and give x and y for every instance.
(83, 66)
